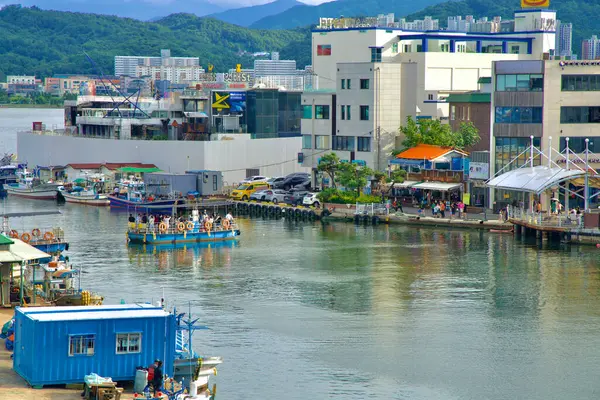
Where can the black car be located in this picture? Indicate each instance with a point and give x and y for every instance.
(295, 197)
(295, 179)
(303, 185)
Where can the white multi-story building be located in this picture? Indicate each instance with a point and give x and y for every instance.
(394, 74)
(274, 67)
(20, 80)
(175, 74)
(564, 39)
(127, 65)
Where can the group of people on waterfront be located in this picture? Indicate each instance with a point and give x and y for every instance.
(444, 208)
(152, 222)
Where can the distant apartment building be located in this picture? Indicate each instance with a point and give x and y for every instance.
(22, 84)
(127, 65)
(564, 39)
(274, 66)
(172, 73)
(425, 24)
(590, 48)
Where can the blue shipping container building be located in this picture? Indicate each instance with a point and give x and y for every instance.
(59, 345)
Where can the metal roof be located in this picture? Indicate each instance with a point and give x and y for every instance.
(20, 251)
(533, 179)
(441, 186)
(81, 313)
(469, 97)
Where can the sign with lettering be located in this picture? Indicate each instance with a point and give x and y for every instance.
(479, 170)
(225, 77)
(535, 3)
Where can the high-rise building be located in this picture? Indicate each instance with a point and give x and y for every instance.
(274, 66)
(590, 48)
(564, 39)
(127, 65)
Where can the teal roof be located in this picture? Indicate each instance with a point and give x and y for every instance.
(5, 240)
(472, 97)
(485, 79)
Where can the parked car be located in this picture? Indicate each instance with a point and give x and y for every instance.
(295, 197)
(276, 183)
(243, 192)
(276, 196)
(303, 185)
(255, 178)
(295, 179)
(260, 195)
(311, 200)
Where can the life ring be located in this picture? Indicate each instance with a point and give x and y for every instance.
(189, 225)
(207, 225)
(36, 232)
(226, 224)
(162, 227)
(48, 236)
(180, 226)
(26, 237)
(13, 234)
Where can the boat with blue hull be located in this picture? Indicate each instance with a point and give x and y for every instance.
(154, 237)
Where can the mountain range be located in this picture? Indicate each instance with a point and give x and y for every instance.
(246, 16)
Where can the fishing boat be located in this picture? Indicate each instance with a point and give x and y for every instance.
(193, 231)
(28, 186)
(84, 195)
(51, 241)
(8, 175)
(132, 195)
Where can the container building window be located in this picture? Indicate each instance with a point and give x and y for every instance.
(520, 83)
(128, 343)
(82, 345)
(364, 113)
(322, 112)
(306, 141)
(364, 83)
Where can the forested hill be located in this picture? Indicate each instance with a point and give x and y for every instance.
(44, 43)
(584, 14)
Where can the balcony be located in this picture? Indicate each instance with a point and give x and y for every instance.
(437, 175)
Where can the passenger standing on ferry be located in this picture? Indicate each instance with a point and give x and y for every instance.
(151, 221)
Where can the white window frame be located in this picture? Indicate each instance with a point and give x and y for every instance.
(84, 339)
(128, 334)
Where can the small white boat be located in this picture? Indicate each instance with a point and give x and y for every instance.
(85, 196)
(28, 186)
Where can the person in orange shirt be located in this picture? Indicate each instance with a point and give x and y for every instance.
(443, 209)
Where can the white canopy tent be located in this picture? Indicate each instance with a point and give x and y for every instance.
(533, 179)
(439, 186)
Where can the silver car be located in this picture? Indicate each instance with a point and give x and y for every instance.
(260, 195)
(275, 196)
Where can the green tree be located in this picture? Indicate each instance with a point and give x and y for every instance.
(353, 176)
(432, 131)
(329, 164)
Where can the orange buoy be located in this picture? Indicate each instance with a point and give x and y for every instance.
(26, 237)
(48, 235)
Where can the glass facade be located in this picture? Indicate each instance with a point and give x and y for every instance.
(580, 115)
(580, 83)
(518, 115)
(577, 144)
(342, 143)
(510, 148)
(321, 112)
(364, 113)
(363, 143)
(306, 141)
(520, 83)
(290, 114)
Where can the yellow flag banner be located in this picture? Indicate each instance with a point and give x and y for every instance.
(535, 3)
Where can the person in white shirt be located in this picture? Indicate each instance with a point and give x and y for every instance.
(229, 217)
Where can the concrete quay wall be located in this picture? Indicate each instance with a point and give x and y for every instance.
(273, 157)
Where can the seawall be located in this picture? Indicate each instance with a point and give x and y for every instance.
(272, 157)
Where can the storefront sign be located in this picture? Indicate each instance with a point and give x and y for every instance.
(222, 85)
(578, 161)
(479, 170)
(225, 77)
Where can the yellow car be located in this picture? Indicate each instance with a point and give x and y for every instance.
(244, 191)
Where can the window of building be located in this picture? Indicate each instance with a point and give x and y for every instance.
(375, 54)
(321, 142)
(363, 143)
(321, 112)
(215, 183)
(452, 113)
(430, 96)
(576, 83)
(343, 113)
(82, 345)
(306, 141)
(518, 115)
(509, 149)
(342, 143)
(445, 47)
(128, 343)
(577, 144)
(407, 48)
(306, 112)
(514, 49)
(520, 83)
(324, 50)
(395, 47)
(348, 113)
(364, 83)
(364, 113)
(348, 84)
(343, 84)
(580, 115)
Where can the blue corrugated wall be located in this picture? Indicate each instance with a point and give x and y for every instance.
(41, 354)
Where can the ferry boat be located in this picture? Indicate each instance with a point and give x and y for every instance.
(8, 175)
(28, 186)
(131, 195)
(193, 231)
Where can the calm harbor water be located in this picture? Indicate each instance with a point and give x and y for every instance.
(337, 311)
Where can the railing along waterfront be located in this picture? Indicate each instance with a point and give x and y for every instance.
(543, 219)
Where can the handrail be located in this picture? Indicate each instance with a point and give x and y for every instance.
(173, 229)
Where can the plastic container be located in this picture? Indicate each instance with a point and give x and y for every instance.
(141, 380)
